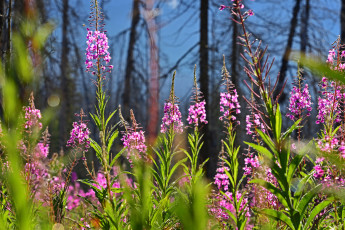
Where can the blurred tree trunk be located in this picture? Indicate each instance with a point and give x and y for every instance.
(154, 70)
(304, 26)
(2, 28)
(234, 55)
(204, 84)
(9, 29)
(65, 100)
(342, 21)
(285, 58)
(130, 58)
(41, 9)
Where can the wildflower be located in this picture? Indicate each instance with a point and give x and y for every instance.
(133, 138)
(229, 103)
(342, 54)
(32, 115)
(250, 163)
(79, 135)
(331, 55)
(41, 150)
(328, 104)
(222, 7)
(256, 122)
(197, 113)
(97, 54)
(318, 172)
(299, 101)
(172, 118)
(248, 125)
(342, 150)
(221, 179)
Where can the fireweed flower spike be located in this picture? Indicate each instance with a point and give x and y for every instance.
(80, 134)
(300, 99)
(97, 54)
(133, 138)
(32, 116)
(229, 103)
(172, 115)
(197, 111)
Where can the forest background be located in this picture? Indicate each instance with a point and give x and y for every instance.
(150, 39)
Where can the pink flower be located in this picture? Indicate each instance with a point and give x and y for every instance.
(32, 117)
(41, 150)
(197, 113)
(79, 136)
(299, 102)
(318, 172)
(134, 140)
(250, 12)
(97, 54)
(221, 179)
(229, 104)
(222, 7)
(250, 163)
(172, 118)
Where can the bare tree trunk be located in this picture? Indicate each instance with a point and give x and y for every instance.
(204, 84)
(154, 69)
(234, 55)
(285, 58)
(2, 28)
(342, 21)
(64, 71)
(304, 26)
(41, 9)
(130, 58)
(8, 48)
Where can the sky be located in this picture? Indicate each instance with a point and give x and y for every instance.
(175, 45)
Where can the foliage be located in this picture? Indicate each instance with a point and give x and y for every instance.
(285, 184)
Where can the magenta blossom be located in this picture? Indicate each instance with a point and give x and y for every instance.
(134, 141)
(79, 136)
(256, 123)
(197, 113)
(32, 117)
(172, 118)
(299, 102)
(222, 7)
(229, 104)
(221, 179)
(328, 104)
(250, 163)
(97, 54)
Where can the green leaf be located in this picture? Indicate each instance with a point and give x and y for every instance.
(319, 67)
(291, 129)
(116, 157)
(277, 215)
(96, 120)
(113, 136)
(97, 149)
(302, 183)
(307, 198)
(109, 118)
(278, 123)
(173, 169)
(268, 141)
(262, 150)
(293, 166)
(316, 211)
